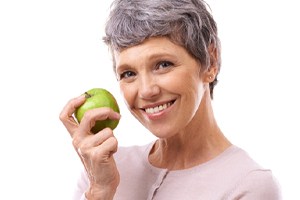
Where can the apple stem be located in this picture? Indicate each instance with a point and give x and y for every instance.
(87, 95)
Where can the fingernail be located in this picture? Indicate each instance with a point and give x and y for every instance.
(118, 115)
(81, 97)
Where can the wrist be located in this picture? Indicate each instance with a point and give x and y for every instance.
(95, 193)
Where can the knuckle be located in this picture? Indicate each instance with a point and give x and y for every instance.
(76, 142)
(88, 114)
(114, 141)
(83, 152)
(97, 114)
(106, 109)
(62, 116)
(108, 131)
(103, 112)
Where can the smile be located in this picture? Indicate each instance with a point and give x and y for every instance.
(158, 108)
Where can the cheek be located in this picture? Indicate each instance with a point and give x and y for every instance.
(128, 94)
(191, 87)
(184, 82)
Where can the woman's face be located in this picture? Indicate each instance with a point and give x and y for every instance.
(161, 84)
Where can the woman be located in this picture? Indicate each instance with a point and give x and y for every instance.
(166, 56)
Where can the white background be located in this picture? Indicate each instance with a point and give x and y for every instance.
(51, 51)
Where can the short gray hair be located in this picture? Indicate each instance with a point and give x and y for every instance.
(186, 22)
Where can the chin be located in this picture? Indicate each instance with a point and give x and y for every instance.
(162, 133)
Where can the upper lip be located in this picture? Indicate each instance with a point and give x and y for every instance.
(156, 104)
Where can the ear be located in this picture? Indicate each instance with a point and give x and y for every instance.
(213, 68)
(211, 74)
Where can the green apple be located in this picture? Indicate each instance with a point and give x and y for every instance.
(97, 98)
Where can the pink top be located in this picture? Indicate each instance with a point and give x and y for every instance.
(232, 175)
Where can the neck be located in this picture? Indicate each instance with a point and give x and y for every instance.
(199, 142)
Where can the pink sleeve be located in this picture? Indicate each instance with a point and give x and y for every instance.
(258, 185)
(81, 187)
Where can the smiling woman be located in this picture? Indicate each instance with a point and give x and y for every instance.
(163, 75)
(166, 56)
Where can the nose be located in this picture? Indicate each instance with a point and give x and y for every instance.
(148, 87)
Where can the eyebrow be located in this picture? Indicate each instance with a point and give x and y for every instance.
(156, 55)
(162, 54)
(151, 57)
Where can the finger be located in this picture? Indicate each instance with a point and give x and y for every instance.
(104, 151)
(93, 141)
(66, 115)
(110, 145)
(96, 139)
(106, 113)
(98, 114)
(84, 140)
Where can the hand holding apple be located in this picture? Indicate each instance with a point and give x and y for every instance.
(95, 150)
(97, 98)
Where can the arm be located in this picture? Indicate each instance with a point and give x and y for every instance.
(258, 185)
(94, 150)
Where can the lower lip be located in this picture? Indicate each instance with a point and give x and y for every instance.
(159, 115)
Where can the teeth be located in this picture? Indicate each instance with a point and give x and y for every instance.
(158, 108)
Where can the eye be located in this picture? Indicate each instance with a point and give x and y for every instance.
(126, 74)
(164, 64)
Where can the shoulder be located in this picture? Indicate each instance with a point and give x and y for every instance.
(239, 161)
(255, 182)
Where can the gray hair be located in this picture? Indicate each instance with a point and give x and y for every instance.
(186, 22)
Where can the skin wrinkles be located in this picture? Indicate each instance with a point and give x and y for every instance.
(182, 83)
(150, 83)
